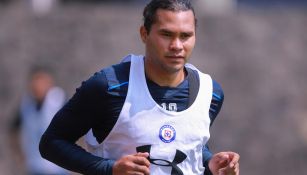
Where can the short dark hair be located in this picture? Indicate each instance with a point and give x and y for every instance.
(149, 13)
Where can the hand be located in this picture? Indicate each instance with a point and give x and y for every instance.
(136, 164)
(224, 163)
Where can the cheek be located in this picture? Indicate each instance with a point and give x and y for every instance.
(189, 46)
(159, 46)
(160, 42)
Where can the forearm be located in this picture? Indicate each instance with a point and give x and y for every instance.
(73, 157)
(207, 155)
(58, 143)
(215, 107)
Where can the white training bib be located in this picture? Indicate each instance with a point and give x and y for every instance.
(174, 140)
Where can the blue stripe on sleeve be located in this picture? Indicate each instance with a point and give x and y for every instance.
(118, 85)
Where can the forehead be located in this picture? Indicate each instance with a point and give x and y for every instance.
(183, 20)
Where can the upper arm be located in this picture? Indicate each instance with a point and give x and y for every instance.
(75, 118)
(216, 102)
(71, 122)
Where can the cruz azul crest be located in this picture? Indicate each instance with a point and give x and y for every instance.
(167, 133)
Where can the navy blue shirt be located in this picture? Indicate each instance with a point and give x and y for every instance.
(96, 105)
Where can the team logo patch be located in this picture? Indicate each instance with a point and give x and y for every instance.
(167, 133)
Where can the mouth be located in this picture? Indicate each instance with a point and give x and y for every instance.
(175, 56)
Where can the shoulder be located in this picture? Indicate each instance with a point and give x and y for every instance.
(95, 90)
(117, 73)
(217, 88)
(117, 76)
(108, 77)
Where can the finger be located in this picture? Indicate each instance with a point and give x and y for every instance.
(237, 169)
(134, 173)
(223, 160)
(221, 157)
(221, 172)
(230, 170)
(224, 171)
(234, 158)
(141, 169)
(141, 160)
(145, 154)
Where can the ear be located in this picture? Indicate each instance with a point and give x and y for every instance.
(143, 33)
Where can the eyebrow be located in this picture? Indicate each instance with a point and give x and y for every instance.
(165, 31)
(171, 32)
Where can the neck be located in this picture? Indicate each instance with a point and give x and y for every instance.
(163, 77)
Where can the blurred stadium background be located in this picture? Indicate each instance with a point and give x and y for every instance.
(256, 49)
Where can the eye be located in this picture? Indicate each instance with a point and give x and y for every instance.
(166, 34)
(185, 36)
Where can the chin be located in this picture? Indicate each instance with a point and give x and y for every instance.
(175, 68)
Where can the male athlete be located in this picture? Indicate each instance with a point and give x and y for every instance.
(148, 114)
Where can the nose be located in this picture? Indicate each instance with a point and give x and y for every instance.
(176, 44)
